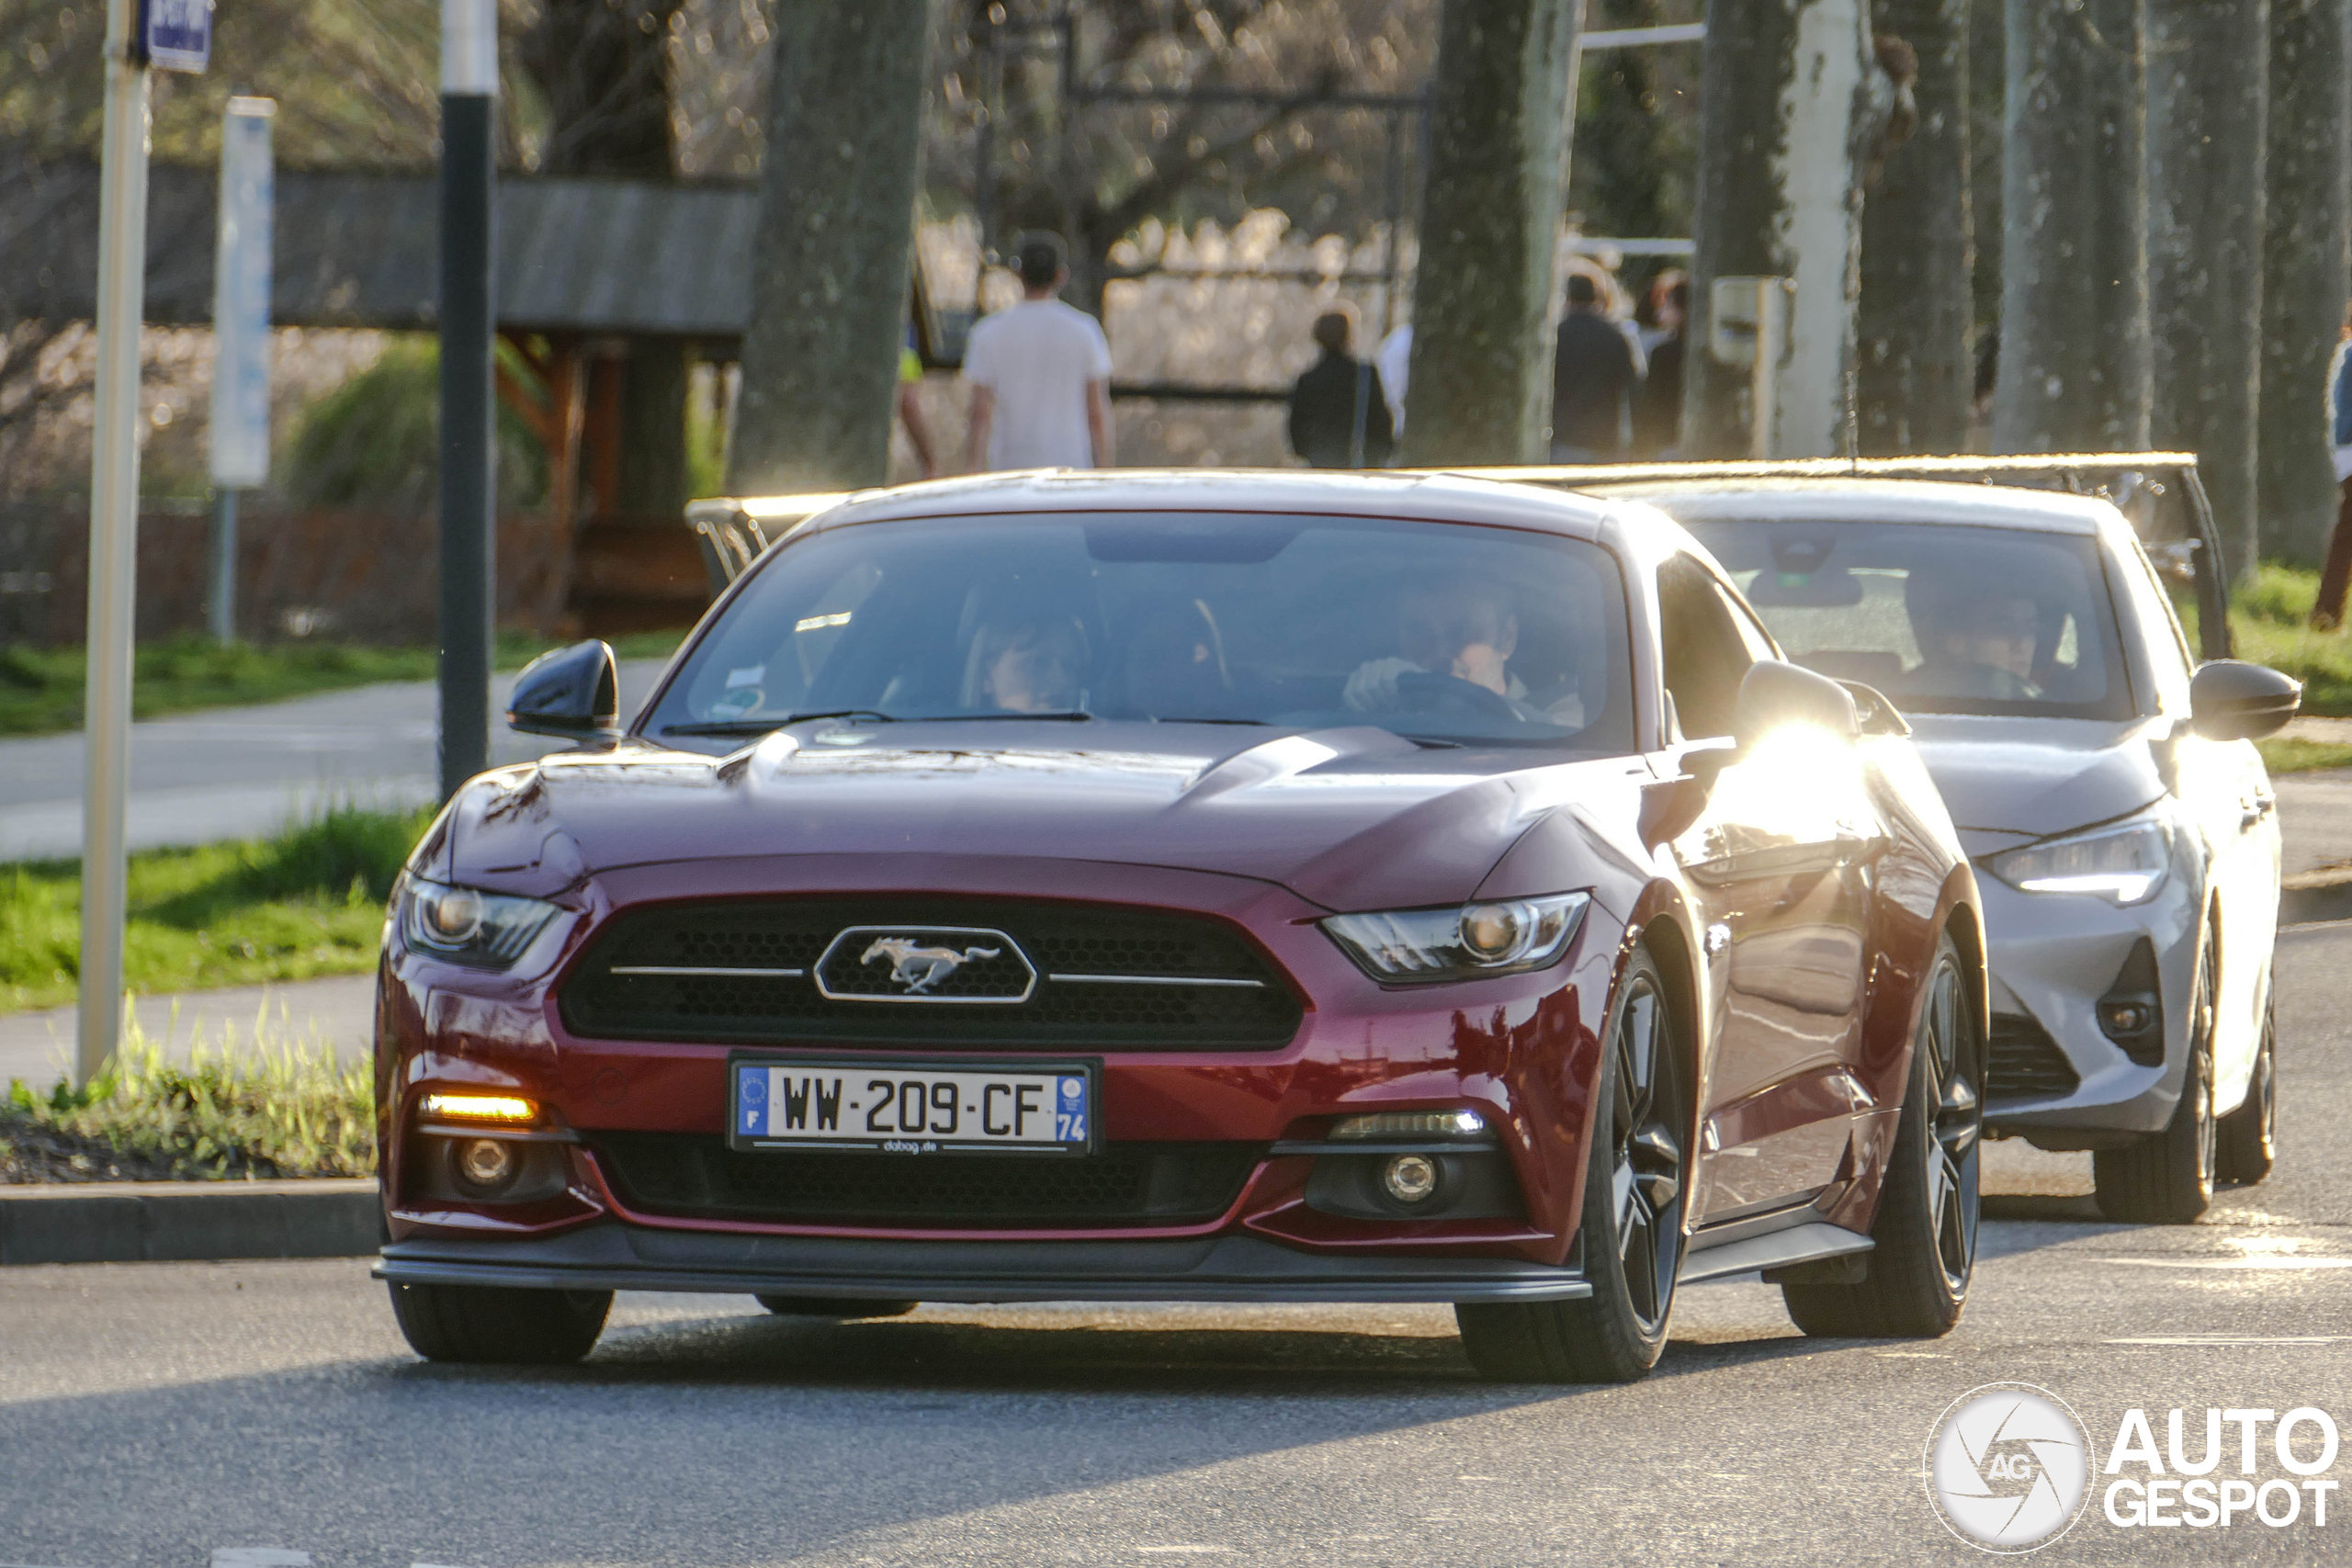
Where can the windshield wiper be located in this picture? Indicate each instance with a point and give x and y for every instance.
(763, 725)
(1060, 715)
(1261, 723)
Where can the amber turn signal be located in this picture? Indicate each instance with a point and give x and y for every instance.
(506, 1109)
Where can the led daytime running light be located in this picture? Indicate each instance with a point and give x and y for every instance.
(502, 1107)
(1411, 1124)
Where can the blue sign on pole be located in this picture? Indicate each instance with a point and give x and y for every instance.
(177, 35)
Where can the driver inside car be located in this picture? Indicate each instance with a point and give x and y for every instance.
(1027, 663)
(1976, 640)
(1465, 630)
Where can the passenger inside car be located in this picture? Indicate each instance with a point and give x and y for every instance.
(1462, 630)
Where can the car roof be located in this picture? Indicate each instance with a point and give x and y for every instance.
(1870, 501)
(1440, 497)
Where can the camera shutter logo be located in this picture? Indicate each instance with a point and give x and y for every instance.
(2007, 1468)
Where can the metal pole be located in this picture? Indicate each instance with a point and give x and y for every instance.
(114, 542)
(221, 607)
(468, 546)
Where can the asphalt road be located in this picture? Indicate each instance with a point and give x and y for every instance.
(160, 1414)
(246, 772)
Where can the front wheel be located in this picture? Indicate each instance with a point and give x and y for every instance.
(1636, 1182)
(2250, 1136)
(1925, 1234)
(499, 1325)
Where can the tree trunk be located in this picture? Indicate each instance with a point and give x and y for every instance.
(1480, 389)
(2307, 267)
(1792, 104)
(653, 429)
(836, 231)
(2207, 85)
(2074, 371)
(1915, 378)
(600, 64)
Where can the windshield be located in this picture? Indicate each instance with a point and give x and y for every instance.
(1941, 619)
(1434, 631)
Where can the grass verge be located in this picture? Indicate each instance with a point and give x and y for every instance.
(2290, 756)
(307, 903)
(275, 1110)
(40, 690)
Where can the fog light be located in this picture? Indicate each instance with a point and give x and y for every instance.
(504, 1108)
(2125, 1018)
(486, 1166)
(1410, 1179)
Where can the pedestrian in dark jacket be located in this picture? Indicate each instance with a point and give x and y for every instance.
(1657, 414)
(2336, 575)
(1339, 412)
(1592, 381)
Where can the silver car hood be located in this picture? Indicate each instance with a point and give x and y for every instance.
(2032, 777)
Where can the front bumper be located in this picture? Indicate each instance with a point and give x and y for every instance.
(2053, 956)
(614, 1257)
(1522, 1050)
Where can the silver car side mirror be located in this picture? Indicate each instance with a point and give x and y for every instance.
(2232, 700)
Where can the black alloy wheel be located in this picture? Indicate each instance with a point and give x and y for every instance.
(1645, 1137)
(1637, 1186)
(2250, 1136)
(2167, 1177)
(1917, 1275)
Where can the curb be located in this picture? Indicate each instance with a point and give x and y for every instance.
(189, 1222)
(2312, 905)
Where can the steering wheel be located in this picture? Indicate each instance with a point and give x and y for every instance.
(1427, 693)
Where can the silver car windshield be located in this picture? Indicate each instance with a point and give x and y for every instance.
(1943, 618)
(1442, 632)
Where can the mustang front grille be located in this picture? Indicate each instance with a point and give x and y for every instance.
(2025, 1063)
(693, 1176)
(935, 974)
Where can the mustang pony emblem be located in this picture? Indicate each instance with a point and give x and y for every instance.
(919, 968)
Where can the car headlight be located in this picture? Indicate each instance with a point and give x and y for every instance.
(2122, 865)
(467, 926)
(1463, 941)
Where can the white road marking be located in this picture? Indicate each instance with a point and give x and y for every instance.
(2259, 1263)
(2231, 1340)
(1188, 1551)
(258, 1557)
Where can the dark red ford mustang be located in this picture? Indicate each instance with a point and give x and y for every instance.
(1194, 886)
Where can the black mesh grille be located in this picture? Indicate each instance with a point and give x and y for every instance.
(2025, 1063)
(1058, 939)
(1128, 1184)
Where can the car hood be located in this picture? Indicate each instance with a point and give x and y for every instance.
(2032, 777)
(1349, 819)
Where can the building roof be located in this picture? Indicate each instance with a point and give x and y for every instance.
(361, 250)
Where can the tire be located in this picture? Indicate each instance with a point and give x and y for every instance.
(2167, 1177)
(499, 1325)
(2247, 1145)
(844, 1307)
(1631, 1228)
(1925, 1232)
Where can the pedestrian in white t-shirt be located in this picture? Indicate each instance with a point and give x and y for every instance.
(1041, 376)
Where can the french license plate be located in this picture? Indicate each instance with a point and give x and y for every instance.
(911, 1107)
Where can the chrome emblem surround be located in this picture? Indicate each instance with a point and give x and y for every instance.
(921, 957)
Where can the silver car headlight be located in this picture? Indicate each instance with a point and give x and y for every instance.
(2125, 865)
(1462, 941)
(489, 930)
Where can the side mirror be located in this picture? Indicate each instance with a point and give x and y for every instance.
(2232, 700)
(573, 693)
(1775, 694)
